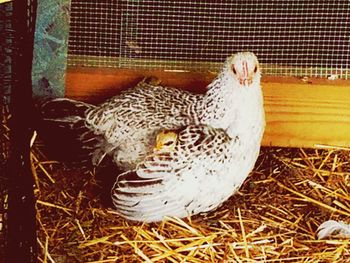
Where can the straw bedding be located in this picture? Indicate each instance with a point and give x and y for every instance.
(273, 218)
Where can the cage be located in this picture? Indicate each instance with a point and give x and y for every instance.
(300, 44)
(91, 50)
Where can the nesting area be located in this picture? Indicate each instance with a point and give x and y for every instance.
(273, 217)
(87, 50)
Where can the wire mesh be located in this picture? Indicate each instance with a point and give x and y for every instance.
(298, 38)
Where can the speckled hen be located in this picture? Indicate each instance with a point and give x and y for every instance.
(218, 136)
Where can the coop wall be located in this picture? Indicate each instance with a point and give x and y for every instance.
(303, 48)
(291, 38)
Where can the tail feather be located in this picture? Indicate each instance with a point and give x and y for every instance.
(64, 108)
(61, 125)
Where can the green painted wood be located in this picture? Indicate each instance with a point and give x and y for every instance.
(50, 48)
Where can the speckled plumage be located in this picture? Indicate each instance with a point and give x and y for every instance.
(182, 181)
(217, 144)
(131, 121)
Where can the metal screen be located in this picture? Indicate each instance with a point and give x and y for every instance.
(296, 37)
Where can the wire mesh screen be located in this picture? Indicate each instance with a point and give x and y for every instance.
(297, 37)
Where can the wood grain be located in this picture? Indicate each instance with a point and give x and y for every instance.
(298, 113)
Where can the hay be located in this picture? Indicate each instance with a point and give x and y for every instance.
(273, 218)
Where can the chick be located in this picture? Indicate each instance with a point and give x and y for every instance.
(166, 141)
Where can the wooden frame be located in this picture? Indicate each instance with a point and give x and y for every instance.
(299, 112)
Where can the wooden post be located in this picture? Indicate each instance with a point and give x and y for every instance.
(21, 218)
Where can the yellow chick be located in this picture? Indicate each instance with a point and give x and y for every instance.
(166, 141)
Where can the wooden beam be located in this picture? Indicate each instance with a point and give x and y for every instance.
(299, 112)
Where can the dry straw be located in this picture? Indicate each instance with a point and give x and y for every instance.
(273, 218)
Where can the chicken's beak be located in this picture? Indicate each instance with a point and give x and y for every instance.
(245, 78)
(246, 81)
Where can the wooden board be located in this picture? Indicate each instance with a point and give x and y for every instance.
(299, 113)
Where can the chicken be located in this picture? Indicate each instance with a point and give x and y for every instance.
(166, 140)
(218, 136)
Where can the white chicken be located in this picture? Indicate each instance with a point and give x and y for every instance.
(218, 136)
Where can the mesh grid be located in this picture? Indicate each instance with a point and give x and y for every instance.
(303, 38)
(95, 32)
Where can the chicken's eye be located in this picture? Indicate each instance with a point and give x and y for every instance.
(168, 143)
(234, 70)
(255, 69)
